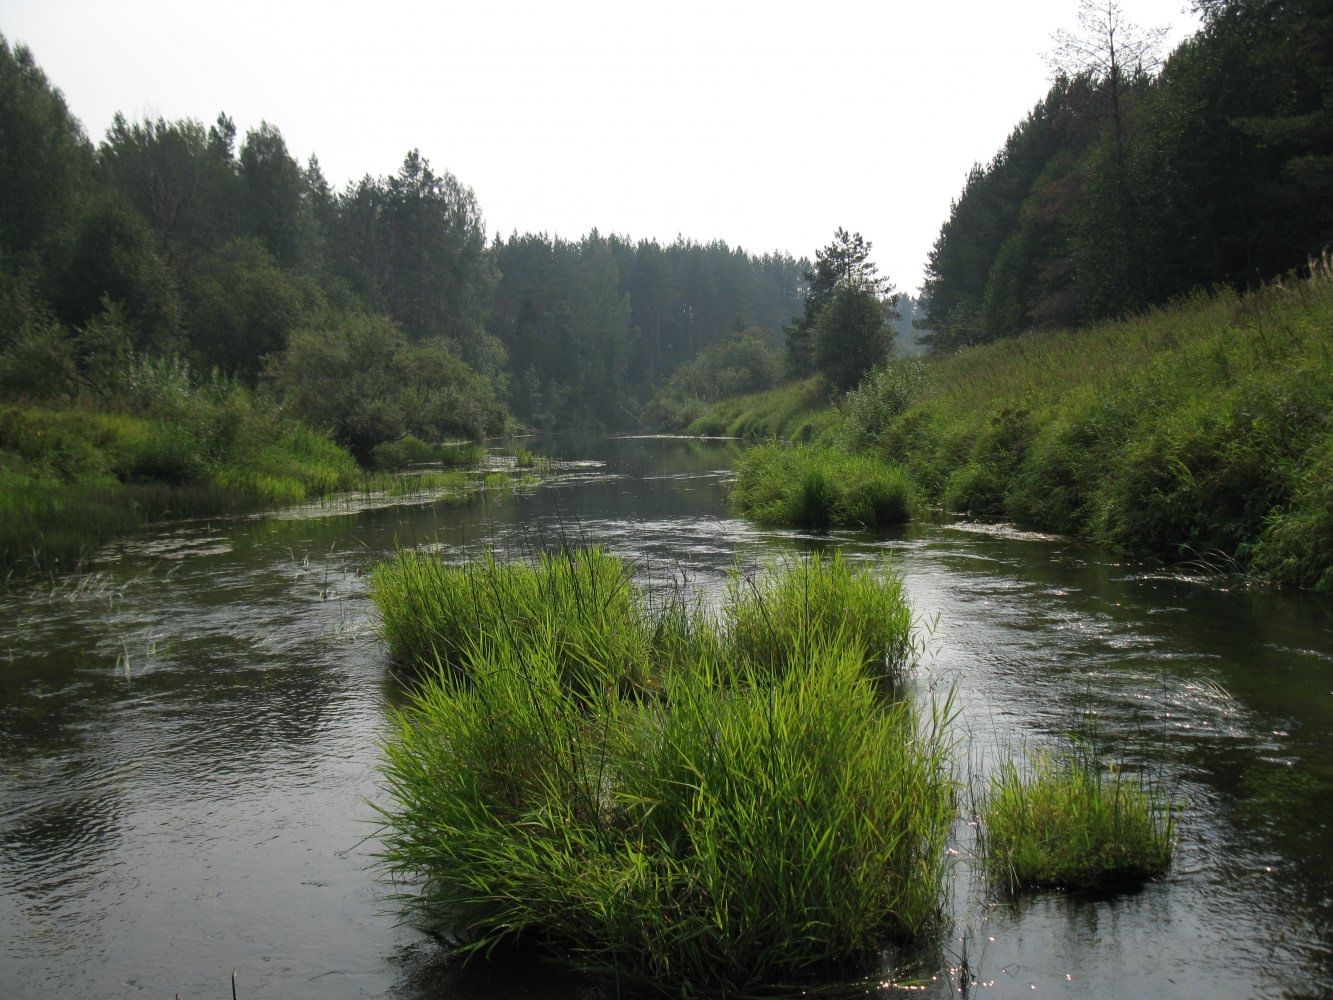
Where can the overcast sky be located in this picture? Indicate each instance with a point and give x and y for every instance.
(764, 124)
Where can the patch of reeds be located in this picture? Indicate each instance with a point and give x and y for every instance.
(1067, 822)
(863, 608)
(720, 827)
(812, 486)
(579, 603)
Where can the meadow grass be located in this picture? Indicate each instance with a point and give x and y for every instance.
(798, 411)
(723, 826)
(1200, 432)
(1068, 823)
(1197, 432)
(816, 486)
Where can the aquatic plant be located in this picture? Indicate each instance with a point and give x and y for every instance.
(725, 827)
(578, 603)
(817, 487)
(770, 615)
(1067, 822)
(411, 450)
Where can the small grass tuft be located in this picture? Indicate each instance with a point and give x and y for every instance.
(1068, 823)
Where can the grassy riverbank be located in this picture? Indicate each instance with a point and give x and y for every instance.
(73, 478)
(649, 793)
(1199, 432)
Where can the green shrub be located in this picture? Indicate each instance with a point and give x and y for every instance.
(882, 396)
(1070, 824)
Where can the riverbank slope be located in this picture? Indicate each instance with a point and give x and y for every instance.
(1198, 432)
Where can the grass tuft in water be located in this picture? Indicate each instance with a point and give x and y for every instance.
(770, 617)
(1068, 823)
(811, 486)
(723, 827)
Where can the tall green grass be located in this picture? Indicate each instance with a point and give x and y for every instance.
(1069, 823)
(73, 478)
(578, 604)
(410, 450)
(723, 826)
(817, 486)
(863, 608)
(1200, 432)
(798, 411)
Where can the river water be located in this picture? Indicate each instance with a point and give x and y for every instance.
(189, 741)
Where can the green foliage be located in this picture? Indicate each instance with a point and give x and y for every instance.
(243, 307)
(672, 840)
(114, 258)
(741, 364)
(882, 396)
(818, 487)
(769, 617)
(360, 376)
(594, 326)
(1120, 190)
(72, 478)
(1198, 432)
(580, 604)
(411, 450)
(1070, 824)
(44, 156)
(797, 411)
(851, 335)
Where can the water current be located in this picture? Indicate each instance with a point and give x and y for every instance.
(189, 737)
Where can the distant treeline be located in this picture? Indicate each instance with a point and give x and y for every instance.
(177, 239)
(1123, 189)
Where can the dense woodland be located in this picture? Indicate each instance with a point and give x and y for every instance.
(176, 239)
(1127, 186)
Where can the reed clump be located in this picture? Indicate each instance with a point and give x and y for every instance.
(813, 486)
(722, 827)
(769, 616)
(1068, 823)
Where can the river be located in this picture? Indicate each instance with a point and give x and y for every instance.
(189, 738)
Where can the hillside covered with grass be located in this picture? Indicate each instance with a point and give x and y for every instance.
(1199, 432)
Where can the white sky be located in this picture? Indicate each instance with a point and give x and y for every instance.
(764, 124)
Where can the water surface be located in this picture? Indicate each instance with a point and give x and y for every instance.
(189, 741)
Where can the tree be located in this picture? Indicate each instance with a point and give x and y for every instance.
(45, 159)
(852, 334)
(114, 257)
(1111, 50)
(273, 188)
(243, 307)
(844, 262)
